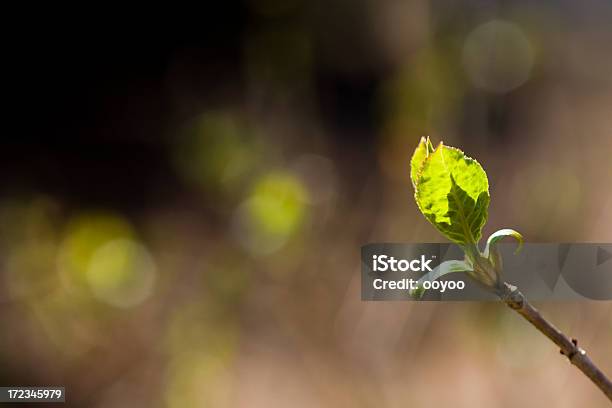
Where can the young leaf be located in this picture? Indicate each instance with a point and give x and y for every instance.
(452, 192)
(420, 154)
(501, 234)
(443, 269)
(492, 253)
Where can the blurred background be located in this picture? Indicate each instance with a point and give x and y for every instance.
(183, 199)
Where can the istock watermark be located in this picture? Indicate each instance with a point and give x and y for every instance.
(383, 263)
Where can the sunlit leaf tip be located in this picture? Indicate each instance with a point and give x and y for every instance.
(423, 150)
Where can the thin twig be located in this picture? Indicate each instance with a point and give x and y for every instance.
(569, 348)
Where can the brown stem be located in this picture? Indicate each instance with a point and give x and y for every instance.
(569, 348)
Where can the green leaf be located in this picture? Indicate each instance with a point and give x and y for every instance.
(492, 253)
(452, 192)
(420, 154)
(443, 269)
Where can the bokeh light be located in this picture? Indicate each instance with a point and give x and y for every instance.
(498, 56)
(217, 151)
(85, 235)
(121, 273)
(273, 212)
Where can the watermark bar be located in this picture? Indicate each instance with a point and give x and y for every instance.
(543, 272)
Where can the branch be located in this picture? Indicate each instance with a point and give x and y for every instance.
(569, 348)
